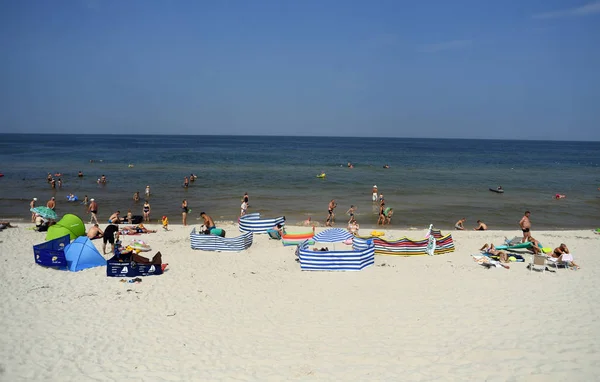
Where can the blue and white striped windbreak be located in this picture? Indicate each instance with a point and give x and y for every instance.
(354, 259)
(218, 243)
(253, 223)
(333, 235)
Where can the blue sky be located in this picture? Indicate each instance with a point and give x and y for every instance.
(433, 68)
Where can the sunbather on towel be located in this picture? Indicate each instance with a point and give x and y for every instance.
(132, 230)
(561, 251)
(491, 249)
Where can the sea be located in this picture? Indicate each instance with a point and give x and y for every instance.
(429, 181)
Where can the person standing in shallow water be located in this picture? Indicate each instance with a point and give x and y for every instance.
(146, 211)
(32, 206)
(331, 215)
(184, 211)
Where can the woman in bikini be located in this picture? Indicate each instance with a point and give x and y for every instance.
(146, 211)
(184, 211)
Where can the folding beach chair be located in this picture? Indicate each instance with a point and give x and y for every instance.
(273, 234)
(563, 260)
(539, 260)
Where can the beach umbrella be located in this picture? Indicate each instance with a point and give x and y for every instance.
(333, 235)
(45, 212)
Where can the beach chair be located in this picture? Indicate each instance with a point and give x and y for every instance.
(564, 260)
(273, 234)
(538, 260)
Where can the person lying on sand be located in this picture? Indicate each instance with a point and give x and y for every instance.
(129, 230)
(95, 232)
(491, 249)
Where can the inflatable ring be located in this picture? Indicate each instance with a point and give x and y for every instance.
(140, 245)
(377, 233)
(321, 175)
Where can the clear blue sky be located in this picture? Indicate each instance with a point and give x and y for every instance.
(432, 68)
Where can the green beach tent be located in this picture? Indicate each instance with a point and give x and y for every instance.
(70, 224)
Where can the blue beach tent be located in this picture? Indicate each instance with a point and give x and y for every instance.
(82, 254)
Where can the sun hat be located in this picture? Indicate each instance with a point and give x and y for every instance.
(164, 217)
(375, 185)
(53, 198)
(35, 199)
(92, 199)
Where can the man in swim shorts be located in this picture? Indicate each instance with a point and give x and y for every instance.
(51, 203)
(208, 222)
(331, 214)
(115, 218)
(111, 234)
(93, 210)
(525, 225)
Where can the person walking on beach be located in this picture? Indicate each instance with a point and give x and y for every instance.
(146, 211)
(136, 196)
(375, 192)
(51, 203)
(243, 208)
(246, 199)
(331, 215)
(32, 206)
(184, 211)
(93, 210)
(525, 225)
(351, 213)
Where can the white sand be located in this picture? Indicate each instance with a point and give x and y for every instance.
(255, 316)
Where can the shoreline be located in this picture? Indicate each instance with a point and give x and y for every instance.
(344, 226)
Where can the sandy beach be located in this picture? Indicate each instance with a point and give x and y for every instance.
(255, 316)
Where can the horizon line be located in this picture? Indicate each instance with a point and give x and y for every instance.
(311, 136)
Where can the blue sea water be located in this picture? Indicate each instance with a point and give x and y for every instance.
(429, 180)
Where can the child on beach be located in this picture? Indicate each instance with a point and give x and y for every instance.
(351, 213)
(165, 223)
